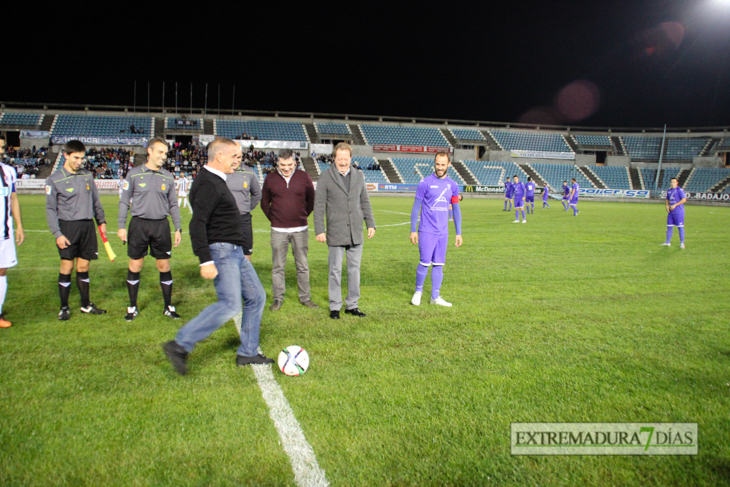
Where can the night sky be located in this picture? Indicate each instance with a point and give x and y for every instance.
(595, 63)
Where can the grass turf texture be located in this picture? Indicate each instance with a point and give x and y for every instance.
(583, 319)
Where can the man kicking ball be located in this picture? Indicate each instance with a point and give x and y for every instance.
(676, 198)
(433, 196)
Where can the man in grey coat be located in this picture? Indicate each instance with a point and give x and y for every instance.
(343, 197)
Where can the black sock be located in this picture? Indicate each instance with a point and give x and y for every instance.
(64, 288)
(132, 287)
(82, 281)
(166, 285)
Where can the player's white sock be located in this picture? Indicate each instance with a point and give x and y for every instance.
(179, 202)
(3, 290)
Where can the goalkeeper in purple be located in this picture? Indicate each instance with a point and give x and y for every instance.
(519, 194)
(676, 198)
(433, 196)
(573, 197)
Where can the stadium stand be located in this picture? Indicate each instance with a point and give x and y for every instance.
(382, 134)
(109, 163)
(649, 176)
(555, 174)
(184, 123)
(530, 141)
(468, 135)
(725, 144)
(18, 118)
(494, 173)
(101, 126)
(643, 148)
(371, 175)
(685, 149)
(261, 130)
(332, 129)
(593, 140)
(703, 179)
(414, 170)
(614, 177)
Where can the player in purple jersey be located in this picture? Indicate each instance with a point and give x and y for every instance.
(545, 193)
(507, 195)
(519, 195)
(433, 196)
(566, 192)
(573, 197)
(676, 198)
(530, 196)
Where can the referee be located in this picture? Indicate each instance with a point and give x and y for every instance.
(244, 186)
(71, 202)
(153, 191)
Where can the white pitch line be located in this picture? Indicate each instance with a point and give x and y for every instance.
(301, 455)
(396, 212)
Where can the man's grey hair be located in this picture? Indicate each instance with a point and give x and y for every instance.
(217, 146)
(286, 154)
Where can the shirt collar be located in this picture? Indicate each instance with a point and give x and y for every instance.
(343, 175)
(218, 173)
(287, 179)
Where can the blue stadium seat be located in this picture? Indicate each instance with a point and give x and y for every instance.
(530, 141)
(593, 140)
(18, 118)
(614, 177)
(555, 174)
(649, 176)
(101, 126)
(383, 134)
(262, 130)
(332, 129)
(702, 179)
(469, 135)
(494, 173)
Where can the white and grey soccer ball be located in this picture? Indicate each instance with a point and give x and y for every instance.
(293, 361)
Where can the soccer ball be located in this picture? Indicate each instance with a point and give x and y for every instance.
(293, 360)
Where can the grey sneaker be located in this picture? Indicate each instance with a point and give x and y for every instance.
(276, 305)
(310, 304)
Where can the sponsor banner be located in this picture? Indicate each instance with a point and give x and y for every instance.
(273, 144)
(106, 183)
(30, 183)
(603, 439)
(490, 189)
(542, 155)
(321, 148)
(614, 193)
(397, 187)
(411, 148)
(102, 140)
(371, 186)
(34, 134)
(719, 197)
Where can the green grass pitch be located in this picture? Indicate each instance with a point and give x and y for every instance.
(564, 319)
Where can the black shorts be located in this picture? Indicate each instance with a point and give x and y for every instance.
(82, 235)
(154, 234)
(247, 234)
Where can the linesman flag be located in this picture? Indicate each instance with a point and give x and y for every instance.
(107, 246)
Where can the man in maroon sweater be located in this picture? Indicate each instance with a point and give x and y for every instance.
(287, 199)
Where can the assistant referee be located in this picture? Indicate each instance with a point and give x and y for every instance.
(71, 203)
(153, 191)
(244, 186)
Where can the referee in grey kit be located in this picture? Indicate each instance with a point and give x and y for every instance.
(71, 203)
(244, 186)
(153, 191)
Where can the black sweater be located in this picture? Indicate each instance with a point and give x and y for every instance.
(215, 215)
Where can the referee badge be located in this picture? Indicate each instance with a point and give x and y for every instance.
(87, 186)
(245, 184)
(48, 189)
(163, 187)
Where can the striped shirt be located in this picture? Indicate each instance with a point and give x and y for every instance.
(7, 188)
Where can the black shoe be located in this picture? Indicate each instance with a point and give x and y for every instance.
(64, 314)
(92, 309)
(170, 311)
(355, 312)
(131, 313)
(259, 359)
(335, 314)
(177, 356)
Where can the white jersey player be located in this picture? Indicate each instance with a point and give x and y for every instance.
(9, 213)
(182, 192)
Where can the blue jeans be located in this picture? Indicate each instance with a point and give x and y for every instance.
(236, 278)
